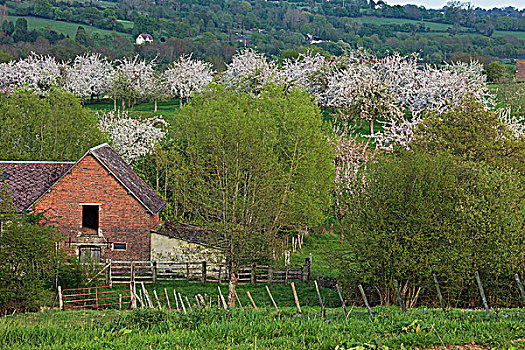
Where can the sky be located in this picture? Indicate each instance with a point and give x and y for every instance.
(520, 4)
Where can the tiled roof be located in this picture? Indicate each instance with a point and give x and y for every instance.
(128, 178)
(191, 234)
(27, 181)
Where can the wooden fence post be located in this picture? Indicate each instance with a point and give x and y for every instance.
(204, 272)
(96, 297)
(271, 297)
(366, 302)
(110, 279)
(132, 271)
(439, 293)
(341, 298)
(520, 286)
(120, 301)
(296, 298)
(60, 299)
(222, 299)
(251, 300)
(270, 274)
(154, 267)
(187, 271)
(399, 297)
(482, 293)
(167, 299)
(253, 277)
(286, 275)
(307, 272)
(157, 299)
(220, 270)
(323, 312)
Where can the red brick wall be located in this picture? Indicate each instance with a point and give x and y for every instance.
(122, 219)
(520, 69)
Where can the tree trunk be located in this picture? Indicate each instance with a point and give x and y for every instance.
(180, 101)
(361, 123)
(155, 111)
(123, 105)
(372, 127)
(115, 104)
(232, 287)
(129, 102)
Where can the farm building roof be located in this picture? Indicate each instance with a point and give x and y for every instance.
(27, 181)
(191, 234)
(128, 178)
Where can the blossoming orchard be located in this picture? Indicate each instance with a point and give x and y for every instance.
(396, 91)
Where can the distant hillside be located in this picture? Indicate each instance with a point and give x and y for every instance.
(214, 29)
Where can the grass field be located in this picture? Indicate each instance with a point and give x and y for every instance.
(261, 329)
(65, 28)
(519, 35)
(167, 109)
(400, 21)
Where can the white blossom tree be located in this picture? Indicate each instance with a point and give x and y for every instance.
(35, 72)
(187, 76)
(131, 137)
(89, 75)
(310, 72)
(249, 71)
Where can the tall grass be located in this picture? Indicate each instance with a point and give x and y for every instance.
(238, 329)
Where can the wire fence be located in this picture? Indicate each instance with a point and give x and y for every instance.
(461, 293)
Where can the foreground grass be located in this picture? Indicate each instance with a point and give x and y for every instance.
(262, 329)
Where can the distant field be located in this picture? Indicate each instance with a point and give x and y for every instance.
(400, 21)
(126, 24)
(65, 28)
(519, 35)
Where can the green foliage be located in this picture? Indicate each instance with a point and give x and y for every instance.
(238, 329)
(26, 252)
(248, 167)
(45, 127)
(495, 71)
(474, 133)
(421, 214)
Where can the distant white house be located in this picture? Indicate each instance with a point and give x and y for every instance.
(144, 38)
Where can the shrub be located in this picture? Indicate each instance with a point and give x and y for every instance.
(421, 214)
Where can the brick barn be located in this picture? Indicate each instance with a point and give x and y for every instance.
(520, 68)
(101, 206)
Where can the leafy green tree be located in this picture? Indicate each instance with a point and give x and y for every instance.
(474, 133)
(83, 38)
(27, 250)
(421, 214)
(49, 127)
(249, 169)
(494, 71)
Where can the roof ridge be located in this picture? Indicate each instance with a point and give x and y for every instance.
(34, 162)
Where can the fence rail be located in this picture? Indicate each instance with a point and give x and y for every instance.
(120, 272)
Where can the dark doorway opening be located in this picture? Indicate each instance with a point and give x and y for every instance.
(90, 219)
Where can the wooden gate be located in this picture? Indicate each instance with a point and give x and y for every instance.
(95, 298)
